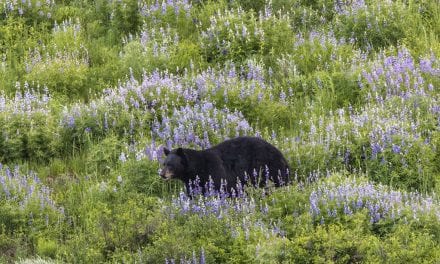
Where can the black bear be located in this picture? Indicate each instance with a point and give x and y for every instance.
(230, 164)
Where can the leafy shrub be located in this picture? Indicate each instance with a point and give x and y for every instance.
(28, 129)
(347, 90)
(235, 35)
(27, 208)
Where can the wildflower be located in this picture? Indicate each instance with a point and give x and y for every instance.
(122, 157)
(396, 149)
(202, 256)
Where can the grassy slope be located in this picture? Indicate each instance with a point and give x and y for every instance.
(348, 92)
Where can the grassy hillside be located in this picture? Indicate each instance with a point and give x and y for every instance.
(91, 92)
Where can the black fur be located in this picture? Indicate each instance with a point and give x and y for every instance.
(248, 159)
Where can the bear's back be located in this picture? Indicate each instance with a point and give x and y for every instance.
(246, 146)
(250, 155)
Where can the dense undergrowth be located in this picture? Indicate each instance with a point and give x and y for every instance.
(91, 91)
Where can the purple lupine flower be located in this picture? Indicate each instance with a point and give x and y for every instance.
(347, 209)
(122, 157)
(380, 202)
(71, 122)
(396, 149)
(347, 157)
(244, 32)
(283, 96)
(314, 204)
(375, 149)
(359, 203)
(202, 256)
(266, 175)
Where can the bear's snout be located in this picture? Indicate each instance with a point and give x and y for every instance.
(162, 173)
(166, 174)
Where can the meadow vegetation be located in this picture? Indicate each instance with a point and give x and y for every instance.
(91, 92)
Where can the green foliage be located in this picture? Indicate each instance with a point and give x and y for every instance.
(90, 92)
(376, 27)
(126, 17)
(127, 222)
(46, 248)
(62, 77)
(101, 157)
(27, 139)
(204, 233)
(237, 36)
(142, 177)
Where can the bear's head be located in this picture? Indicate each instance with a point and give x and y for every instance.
(174, 164)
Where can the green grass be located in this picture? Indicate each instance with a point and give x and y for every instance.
(91, 91)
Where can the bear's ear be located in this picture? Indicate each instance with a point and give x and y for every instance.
(166, 151)
(180, 152)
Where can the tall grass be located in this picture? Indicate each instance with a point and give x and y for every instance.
(90, 93)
